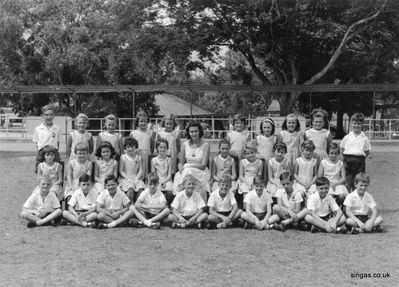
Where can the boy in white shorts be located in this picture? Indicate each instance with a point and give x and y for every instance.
(258, 207)
(188, 206)
(82, 205)
(289, 204)
(324, 212)
(223, 208)
(42, 207)
(361, 208)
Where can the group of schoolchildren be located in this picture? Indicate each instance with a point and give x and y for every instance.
(291, 179)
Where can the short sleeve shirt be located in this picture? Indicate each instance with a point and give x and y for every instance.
(222, 204)
(188, 206)
(43, 136)
(322, 207)
(35, 203)
(118, 202)
(81, 202)
(152, 200)
(257, 203)
(290, 203)
(355, 144)
(358, 205)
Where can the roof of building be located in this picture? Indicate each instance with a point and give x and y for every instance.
(171, 104)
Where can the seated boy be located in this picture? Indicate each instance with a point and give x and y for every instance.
(223, 209)
(82, 205)
(324, 212)
(359, 205)
(258, 207)
(187, 207)
(42, 207)
(112, 203)
(289, 204)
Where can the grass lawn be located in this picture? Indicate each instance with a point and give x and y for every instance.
(74, 256)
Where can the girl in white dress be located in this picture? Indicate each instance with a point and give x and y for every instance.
(144, 137)
(111, 136)
(319, 133)
(266, 140)
(77, 167)
(193, 160)
(79, 135)
(104, 165)
(292, 136)
(238, 137)
(276, 166)
(50, 168)
(333, 168)
(131, 170)
(162, 165)
(305, 170)
(172, 135)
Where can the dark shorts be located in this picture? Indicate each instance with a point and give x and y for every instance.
(326, 218)
(226, 213)
(354, 164)
(260, 216)
(187, 217)
(362, 218)
(148, 215)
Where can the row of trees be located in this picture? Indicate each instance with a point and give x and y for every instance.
(218, 42)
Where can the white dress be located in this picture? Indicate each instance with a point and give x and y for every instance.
(320, 140)
(172, 150)
(144, 140)
(278, 168)
(131, 169)
(113, 139)
(162, 169)
(293, 142)
(251, 170)
(52, 172)
(77, 137)
(78, 169)
(305, 174)
(237, 142)
(104, 169)
(265, 146)
(333, 172)
(193, 156)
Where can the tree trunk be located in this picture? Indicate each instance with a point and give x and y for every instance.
(340, 122)
(287, 101)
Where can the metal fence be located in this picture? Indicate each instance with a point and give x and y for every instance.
(215, 128)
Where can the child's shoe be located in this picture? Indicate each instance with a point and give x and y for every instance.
(314, 229)
(31, 224)
(155, 225)
(279, 227)
(342, 229)
(247, 225)
(133, 222)
(210, 226)
(200, 226)
(63, 222)
(379, 229)
(355, 230)
(302, 226)
(102, 225)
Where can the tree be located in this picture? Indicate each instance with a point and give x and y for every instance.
(286, 42)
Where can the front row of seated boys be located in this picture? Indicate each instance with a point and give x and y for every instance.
(112, 207)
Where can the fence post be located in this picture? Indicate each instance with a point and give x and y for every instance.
(390, 129)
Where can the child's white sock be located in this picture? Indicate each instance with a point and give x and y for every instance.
(112, 224)
(147, 222)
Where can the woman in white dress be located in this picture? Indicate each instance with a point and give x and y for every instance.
(194, 155)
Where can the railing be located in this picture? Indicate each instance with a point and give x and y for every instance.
(16, 128)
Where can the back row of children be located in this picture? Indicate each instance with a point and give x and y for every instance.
(268, 157)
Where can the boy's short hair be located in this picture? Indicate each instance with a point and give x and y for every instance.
(239, 117)
(84, 178)
(322, 181)
(280, 146)
(333, 146)
(286, 175)
(130, 142)
(363, 177)
(109, 178)
(357, 117)
(258, 180)
(81, 147)
(308, 144)
(225, 178)
(48, 107)
(224, 141)
(45, 178)
(153, 178)
(190, 177)
(161, 140)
